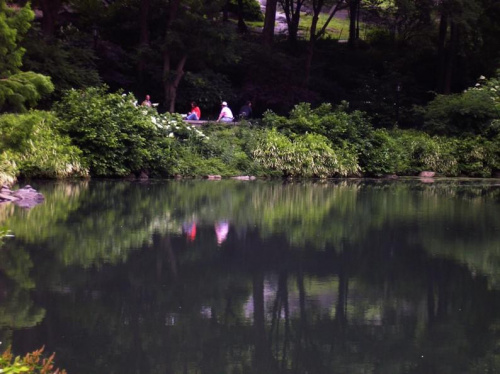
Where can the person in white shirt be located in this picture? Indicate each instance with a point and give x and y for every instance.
(226, 115)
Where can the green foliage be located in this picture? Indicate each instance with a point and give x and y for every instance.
(476, 111)
(225, 151)
(424, 152)
(251, 9)
(385, 155)
(381, 152)
(477, 156)
(14, 24)
(337, 124)
(190, 163)
(32, 147)
(310, 155)
(31, 363)
(8, 168)
(69, 60)
(17, 89)
(207, 88)
(116, 137)
(23, 89)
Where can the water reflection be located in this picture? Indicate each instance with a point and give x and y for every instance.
(189, 229)
(221, 231)
(264, 277)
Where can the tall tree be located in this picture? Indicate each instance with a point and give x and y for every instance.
(50, 9)
(354, 11)
(143, 38)
(458, 20)
(171, 79)
(269, 21)
(317, 6)
(292, 9)
(191, 30)
(242, 26)
(17, 88)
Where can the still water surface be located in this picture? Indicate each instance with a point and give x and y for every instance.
(256, 277)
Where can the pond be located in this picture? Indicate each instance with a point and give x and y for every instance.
(350, 276)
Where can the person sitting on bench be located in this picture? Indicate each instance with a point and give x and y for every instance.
(225, 114)
(246, 110)
(195, 113)
(147, 101)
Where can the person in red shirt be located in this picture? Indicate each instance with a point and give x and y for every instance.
(195, 113)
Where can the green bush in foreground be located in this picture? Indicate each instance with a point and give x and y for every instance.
(18, 89)
(477, 156)
(421, 152)
(378, 151)
(309, 155)
(32, 147)
(31, 363)
(8, 169)
(116, 137)
(223, 150)
(476, 111)
(108, 134)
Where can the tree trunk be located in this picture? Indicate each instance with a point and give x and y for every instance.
(286, 311)
(144, 39)
(242, 26)
(310, 47)
(263, 354)
(225, 12)
(331, 14)
(269, 20)
(292, 15)
(450, 58)
(313, 36)
(50, 9)
(353, 18)
(443, 31)
(171, 80)
(293, 28)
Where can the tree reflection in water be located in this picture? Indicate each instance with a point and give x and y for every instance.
(331, 277)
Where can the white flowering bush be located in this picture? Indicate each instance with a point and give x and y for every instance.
(492, 88)
(117, 137)
(173, 126)
(476, 111)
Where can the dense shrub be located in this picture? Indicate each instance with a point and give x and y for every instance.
(208, 89)
(8, 168)
(378, 152)
(32, 363)
(425, 152)
(116, 137)
(309, 155)
(476, 111)
(251, 9)
(69, 60)
(224, 150)
(32, 147)
(477, 156)
(337, 124)
(383, 155)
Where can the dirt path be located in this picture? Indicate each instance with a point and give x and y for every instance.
(281, 26)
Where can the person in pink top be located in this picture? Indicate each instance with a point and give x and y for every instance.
(226, 115)
(195, 113)
(147, 101)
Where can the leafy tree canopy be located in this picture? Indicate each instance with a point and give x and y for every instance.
(18, 89)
